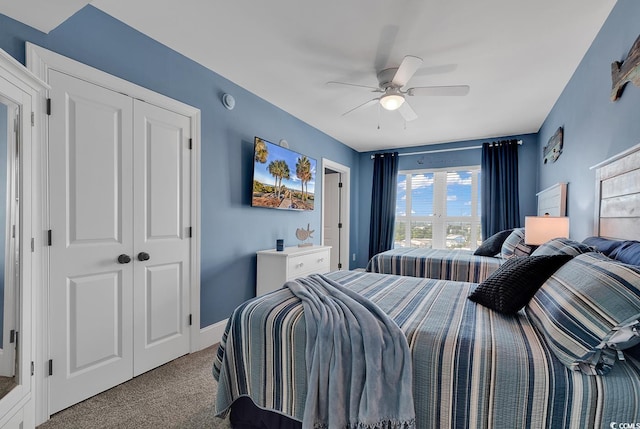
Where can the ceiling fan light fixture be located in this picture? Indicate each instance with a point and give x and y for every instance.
(391, 101)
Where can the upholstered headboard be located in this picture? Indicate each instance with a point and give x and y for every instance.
(617, 208)
(553, 200)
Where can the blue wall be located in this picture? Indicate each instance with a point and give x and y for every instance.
(595, 128)
(526, 176)
(232, 230)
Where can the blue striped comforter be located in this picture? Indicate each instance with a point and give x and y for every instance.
(472, 367)
(445, 264)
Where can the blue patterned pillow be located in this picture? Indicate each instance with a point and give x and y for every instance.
(514, 245)
(562, 246)
(588, 311)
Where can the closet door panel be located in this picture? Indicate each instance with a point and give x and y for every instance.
(91, 210)
(162, 201)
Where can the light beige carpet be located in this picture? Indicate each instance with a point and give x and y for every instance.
(180, 394)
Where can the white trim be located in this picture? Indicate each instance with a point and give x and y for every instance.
(23, 88)
(345, 214)
(212, 334)
(40, 61)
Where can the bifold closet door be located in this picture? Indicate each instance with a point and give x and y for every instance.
(162, 201)
(91, 218)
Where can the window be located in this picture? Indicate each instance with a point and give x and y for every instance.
(438, 209)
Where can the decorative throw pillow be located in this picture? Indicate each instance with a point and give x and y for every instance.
(492, 245)
(514, 245)
(562, 246)
(602, 245)
(589, 311)
(628, 252)
(511, 286)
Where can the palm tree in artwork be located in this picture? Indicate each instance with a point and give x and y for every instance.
(280, 170)
(303, 172)
(273, 170)
(261, 151)
(285, 173)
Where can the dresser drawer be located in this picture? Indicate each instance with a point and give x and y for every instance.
(306, 264)
(275, 268)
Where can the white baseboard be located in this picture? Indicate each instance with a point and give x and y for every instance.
(212, 334)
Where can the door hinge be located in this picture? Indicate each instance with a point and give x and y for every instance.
(33, 368)
(339, 184)
(33, 119)
(190, 319)
(50, 366)
(190, 232)
(49, 238)
(12, 336)
(33, 244)
(49, 106)
(340, 225)
(339, 266)
(190, 143)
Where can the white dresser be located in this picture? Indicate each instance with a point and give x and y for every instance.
(275, 268)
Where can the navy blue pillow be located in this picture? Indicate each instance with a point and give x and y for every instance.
(493, 245)
(627, 253)
(602, 245)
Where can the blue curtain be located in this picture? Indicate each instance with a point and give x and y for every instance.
(383, 202)
(500, 200)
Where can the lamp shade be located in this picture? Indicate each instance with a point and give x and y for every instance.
(391, 101)
(540, 229)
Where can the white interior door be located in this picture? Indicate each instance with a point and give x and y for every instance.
(331, 207)
(90, 153)
(162, 215)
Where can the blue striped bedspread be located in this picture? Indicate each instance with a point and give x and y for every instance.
(444, 264)
(472, 367)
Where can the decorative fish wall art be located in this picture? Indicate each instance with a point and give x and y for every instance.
(626, 71)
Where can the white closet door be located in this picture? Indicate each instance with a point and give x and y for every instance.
(90, 153)
(161, 206)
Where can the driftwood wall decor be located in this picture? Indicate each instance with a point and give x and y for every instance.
(626, 71)
(553, 149)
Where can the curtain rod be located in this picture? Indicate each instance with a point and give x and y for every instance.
(455, 149)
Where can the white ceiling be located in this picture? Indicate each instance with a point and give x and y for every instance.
(516, 56)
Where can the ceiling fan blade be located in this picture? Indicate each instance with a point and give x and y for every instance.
(434, 91)
(408, 67)
(441, 69)
(365, 104)
(372, 88)
(407, 112)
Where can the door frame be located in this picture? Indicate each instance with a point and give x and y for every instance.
(345, 209)
(39, 62)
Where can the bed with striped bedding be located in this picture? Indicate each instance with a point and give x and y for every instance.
(446, 264)
(472, 367)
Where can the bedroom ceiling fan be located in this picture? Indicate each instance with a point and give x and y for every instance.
(391, 83)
